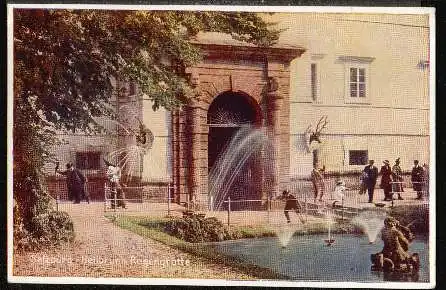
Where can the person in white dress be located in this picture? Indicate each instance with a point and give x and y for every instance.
(114, 175)
(339, 191)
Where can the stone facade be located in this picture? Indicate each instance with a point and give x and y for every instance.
(261, 76)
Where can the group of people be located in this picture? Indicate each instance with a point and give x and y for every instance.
(392, 179)
(77, 184)
(391, 182)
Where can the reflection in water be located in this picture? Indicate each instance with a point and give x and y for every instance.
(403, 277)
(397, 276)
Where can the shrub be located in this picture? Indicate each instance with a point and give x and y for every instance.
(46, 228)
(197, 229)
(54, 227)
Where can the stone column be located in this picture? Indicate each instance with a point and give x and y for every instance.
(275, 102)
(176, 155)
(194, 150)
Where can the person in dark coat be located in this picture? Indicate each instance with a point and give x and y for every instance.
(291, 203)
(75, 183)
(386, 180)
(417, 179)
(372, 174)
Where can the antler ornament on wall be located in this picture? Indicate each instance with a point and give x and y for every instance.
(312, 136)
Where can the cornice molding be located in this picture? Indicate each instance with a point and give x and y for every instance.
(358, 59)
(275, 53)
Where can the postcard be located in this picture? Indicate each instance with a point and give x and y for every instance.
(221, 145)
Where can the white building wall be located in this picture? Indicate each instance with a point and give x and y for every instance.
(157, 161)
(394, 122)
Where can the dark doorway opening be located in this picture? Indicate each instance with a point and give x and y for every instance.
(227, 114)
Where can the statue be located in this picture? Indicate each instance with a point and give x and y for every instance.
(144, 137)
(313, 140)
(395, 256)
(315, 135)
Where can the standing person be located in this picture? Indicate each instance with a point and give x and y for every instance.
(339, 191)
(318, 183)
(75, 182)
(397, 176)
(291, 203)
(68, 179)
(362, 185)
(372, 175)
(114, 176)
(386, 180)
(417, 179)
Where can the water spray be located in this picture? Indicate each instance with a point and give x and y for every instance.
(329, 241)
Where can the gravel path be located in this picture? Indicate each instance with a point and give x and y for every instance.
(104, 250)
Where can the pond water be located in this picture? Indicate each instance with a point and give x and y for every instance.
(308, 258)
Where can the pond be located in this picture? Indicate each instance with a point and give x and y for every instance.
(308, 258)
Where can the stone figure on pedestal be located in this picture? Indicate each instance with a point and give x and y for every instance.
(395, 254)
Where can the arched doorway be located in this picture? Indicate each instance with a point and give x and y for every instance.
(227, 115)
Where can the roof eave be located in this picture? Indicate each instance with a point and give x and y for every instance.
(285, 54)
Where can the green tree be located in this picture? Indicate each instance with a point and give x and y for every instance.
(65, 60)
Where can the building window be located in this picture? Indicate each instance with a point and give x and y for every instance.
(314, 81)
(358, 157)
(357, 82)
(357, 78)
(88, 160)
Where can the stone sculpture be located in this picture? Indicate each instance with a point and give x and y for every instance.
(395, 254)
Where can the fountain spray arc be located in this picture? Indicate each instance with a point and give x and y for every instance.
(230, 163)
(138, 141)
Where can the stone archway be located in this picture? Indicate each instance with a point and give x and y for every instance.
(228, 114)
(255, 78)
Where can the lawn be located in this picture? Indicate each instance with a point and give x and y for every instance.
(152, 228)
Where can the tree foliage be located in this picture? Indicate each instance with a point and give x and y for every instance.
(65, 62)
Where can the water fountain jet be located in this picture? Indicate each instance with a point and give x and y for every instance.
(329, 241)
(284, 234)
(130, 156)
(231, 162)
(371, 222)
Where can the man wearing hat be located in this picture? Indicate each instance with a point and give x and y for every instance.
(386, 180)
(372, 174)
(75, 182)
